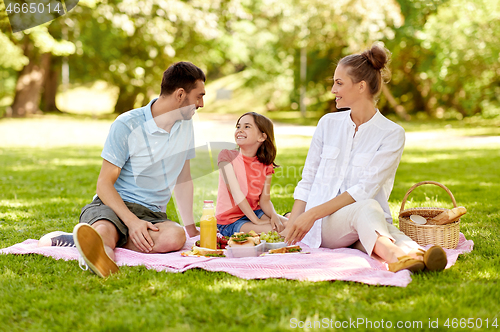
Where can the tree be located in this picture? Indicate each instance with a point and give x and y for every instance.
(273, 34)
(130, 43)
(11, 56)
(465, 71)
(38, 46)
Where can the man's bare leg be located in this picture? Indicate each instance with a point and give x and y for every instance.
(170, 237)
(107, 230)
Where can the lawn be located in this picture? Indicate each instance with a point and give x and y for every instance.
(45, 182)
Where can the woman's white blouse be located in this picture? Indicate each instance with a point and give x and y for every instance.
(363, 163)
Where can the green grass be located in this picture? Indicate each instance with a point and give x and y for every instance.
(43, 189)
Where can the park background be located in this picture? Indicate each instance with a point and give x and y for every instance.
(62, 84)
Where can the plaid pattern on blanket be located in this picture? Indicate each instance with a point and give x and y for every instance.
(319, 265)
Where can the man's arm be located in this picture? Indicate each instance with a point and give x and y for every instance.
(184, 197)
(138, 229)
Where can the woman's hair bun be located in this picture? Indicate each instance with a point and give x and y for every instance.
(377, 56)
(369, 66)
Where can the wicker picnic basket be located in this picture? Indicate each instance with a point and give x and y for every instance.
(444, 235)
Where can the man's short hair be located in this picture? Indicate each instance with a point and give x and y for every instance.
(180, 75)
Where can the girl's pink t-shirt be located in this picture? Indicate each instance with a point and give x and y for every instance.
(251, 175)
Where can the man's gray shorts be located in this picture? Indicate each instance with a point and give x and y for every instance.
(97, 210)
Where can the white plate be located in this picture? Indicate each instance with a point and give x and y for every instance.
(275, 245)
(237, 252)
(418, 219)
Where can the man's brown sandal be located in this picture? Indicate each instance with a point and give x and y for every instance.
(434, 258)
(406, 263)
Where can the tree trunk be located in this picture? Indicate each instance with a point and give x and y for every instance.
(126, 99)
(303, 78)
(50, 86)
(29, 84)
(399, 109)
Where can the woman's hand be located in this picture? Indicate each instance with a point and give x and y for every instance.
(284, 232)
(276, 223)
(296, 232)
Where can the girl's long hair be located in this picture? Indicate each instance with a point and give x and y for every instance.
(267, 150)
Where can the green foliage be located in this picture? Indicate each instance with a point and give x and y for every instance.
(12, 59)
(465, 73)
(272, 33)
(19, 49)
(4, 19)
(137, 41)
(12, 55)
(130, 44)
(445, 58)
(45, 42)
(445, 52)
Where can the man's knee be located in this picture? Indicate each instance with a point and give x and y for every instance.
(171, 237)
(107, 230)
(104, 225)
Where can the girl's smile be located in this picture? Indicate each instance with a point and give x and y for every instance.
(247, 132)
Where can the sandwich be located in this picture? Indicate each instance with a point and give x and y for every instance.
(197, 251)
(285, 250)
(241, 239)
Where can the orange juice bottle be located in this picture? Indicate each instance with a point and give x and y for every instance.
(208, 226)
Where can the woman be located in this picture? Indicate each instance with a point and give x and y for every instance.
(342, 199)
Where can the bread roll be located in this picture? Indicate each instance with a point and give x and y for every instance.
(197, 251)
(204, 251)
(448, 216)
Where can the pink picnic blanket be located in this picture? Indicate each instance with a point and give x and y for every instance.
(319, 265)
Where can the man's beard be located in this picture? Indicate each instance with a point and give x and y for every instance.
(187, 110)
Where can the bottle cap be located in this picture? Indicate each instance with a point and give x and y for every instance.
(208, 201)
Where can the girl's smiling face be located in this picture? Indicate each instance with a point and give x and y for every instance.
(247, 132)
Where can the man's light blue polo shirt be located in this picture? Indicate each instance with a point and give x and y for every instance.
(150, 158)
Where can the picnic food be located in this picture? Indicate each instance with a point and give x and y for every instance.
(286, 250)
(271, 237)
(242, 239)
(221, 241)
(197, 251)
(448, 216)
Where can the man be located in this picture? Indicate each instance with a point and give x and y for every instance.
(146, 154)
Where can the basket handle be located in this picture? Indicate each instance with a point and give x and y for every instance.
(427, 182)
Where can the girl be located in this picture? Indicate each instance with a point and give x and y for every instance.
(342, 199)
(243, 199)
